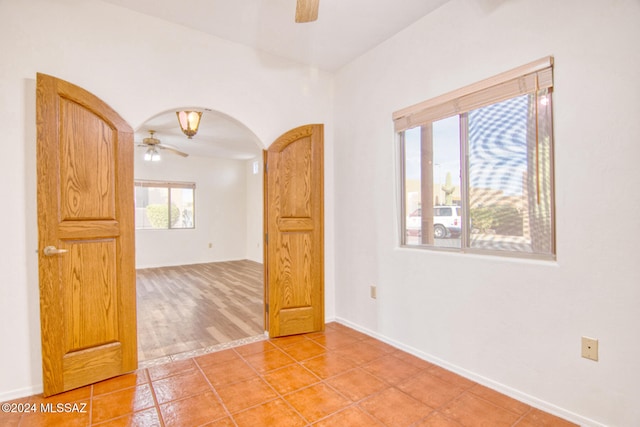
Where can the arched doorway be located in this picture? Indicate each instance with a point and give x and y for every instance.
(200, 282)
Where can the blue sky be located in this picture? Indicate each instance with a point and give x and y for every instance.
(446, 151)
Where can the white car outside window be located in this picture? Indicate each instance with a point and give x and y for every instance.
(446, 222)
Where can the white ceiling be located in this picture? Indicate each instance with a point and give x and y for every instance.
(345, 29)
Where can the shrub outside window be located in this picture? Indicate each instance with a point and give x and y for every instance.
(164, 205)
(477, 167)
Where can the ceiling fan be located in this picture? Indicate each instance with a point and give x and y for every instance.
(307, 10)
(152, 144)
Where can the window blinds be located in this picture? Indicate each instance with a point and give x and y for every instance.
(526, 79)
(164, 184)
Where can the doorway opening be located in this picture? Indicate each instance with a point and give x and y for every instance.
(199, 231)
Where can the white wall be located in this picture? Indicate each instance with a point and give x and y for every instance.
(221, 212)
(255, 229)
(139, 65)
(509, 323)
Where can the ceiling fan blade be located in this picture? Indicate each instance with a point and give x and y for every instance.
(172, 149)
(307, 10)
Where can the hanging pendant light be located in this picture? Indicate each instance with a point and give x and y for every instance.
(189, 122)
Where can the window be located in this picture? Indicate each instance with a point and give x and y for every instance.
(477, 166)
(164, 205)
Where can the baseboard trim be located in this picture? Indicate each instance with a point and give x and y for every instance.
(504, 389)
(20, 393)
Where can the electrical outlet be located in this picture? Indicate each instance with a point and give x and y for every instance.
(374, 292)
(590, 348)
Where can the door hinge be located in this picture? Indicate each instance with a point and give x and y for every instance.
(266, 238)
(266, 308)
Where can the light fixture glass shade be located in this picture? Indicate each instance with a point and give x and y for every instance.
(189, 122)
(152, 155)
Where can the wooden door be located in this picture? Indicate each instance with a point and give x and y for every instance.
(85, 237)
(294, 241)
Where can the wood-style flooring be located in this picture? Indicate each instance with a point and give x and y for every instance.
(191, 307)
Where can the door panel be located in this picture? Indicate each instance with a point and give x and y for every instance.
(86, 213)
(89, 306)
(87, 166)
(294, 252)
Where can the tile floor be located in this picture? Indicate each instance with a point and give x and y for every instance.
(339, 377)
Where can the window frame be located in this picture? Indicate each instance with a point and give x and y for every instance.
(168, 185)
(528, 79)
